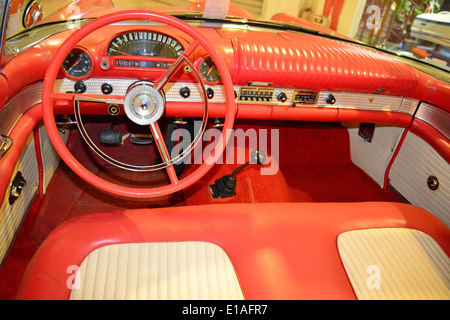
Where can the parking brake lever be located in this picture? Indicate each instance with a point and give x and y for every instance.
(225, 187)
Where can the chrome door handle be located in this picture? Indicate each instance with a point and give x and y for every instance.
(5, 144)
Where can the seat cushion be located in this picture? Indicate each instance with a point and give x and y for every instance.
(155, 271)
(395, 263)
(278, 250)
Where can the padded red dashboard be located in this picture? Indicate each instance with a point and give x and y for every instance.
(284, 59)
(311, 62)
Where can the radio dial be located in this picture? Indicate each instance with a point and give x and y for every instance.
(282, 97)
(330, 99)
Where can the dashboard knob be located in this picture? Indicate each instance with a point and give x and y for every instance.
(107, 88)
(282, 97)
(330, 99)
(104, 64)
(210, 93)
(185, 92)
(433, 182)
(16, 187)
(80, 87)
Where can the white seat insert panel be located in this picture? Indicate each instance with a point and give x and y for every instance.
(157, 271)
(395, 263)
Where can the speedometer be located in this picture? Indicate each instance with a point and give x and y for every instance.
(142, 43)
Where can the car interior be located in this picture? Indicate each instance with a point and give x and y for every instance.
(199, 153)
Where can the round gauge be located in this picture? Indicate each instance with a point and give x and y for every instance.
(209, 71)
(147, 44)
(77, 64)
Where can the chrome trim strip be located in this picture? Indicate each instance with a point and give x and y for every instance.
(18, 105)
(23, 41)
(409, 106)
(435, 117)
(344, 100)
(361, 101)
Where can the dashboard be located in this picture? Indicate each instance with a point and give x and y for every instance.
(276, 75)
(114, 65)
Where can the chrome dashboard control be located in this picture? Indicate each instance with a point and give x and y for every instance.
(210, 93)
(105, 65)
(282, 97)
(330, 99)
(80, 87)
(107, 88)
(113, 109)
(185, 92)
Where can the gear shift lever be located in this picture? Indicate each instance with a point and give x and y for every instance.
(225, 187)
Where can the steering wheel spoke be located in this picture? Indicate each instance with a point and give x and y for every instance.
(64, 96)
(161, 82)
(100, 98)
(162, 148)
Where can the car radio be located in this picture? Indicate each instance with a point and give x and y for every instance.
(304, 97)
(254, 94)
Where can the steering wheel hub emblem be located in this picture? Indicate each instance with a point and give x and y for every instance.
(144, 104)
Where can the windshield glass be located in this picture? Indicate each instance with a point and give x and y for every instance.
(412, 28)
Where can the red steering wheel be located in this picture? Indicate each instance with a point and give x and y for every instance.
(150, 118)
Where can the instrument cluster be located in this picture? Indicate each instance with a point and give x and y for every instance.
(136, 50)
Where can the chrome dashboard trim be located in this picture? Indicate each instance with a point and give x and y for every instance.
(369, 102)
(409, 106)
(18, 105)
(344, 100)
(93, 86)
(435, 117)
(23, 41)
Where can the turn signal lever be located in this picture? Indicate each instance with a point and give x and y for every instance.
(225, 187)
